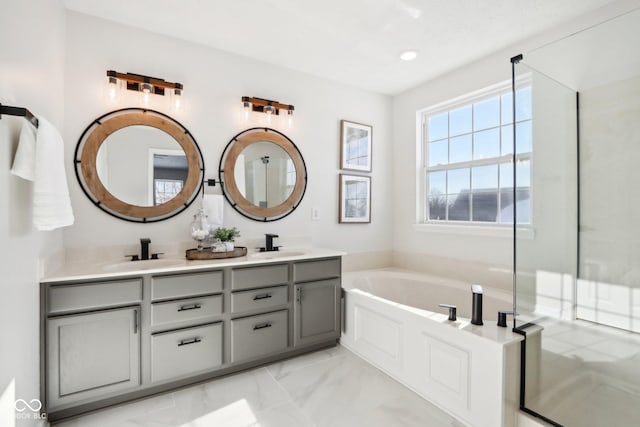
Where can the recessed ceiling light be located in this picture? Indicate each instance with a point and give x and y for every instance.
(408, 55)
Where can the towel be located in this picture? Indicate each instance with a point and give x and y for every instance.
(40, 158)
(213, 205)
(24, 163)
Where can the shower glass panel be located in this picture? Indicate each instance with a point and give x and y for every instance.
(577, 269)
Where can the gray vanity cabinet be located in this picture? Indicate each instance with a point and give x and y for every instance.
(106, 341)
(93, 354)
(317, 301)
(316, 312)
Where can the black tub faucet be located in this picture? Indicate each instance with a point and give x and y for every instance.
(476, 311)
(502, 317)
(452, 311)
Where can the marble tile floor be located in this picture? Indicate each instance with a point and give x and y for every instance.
(332, 387)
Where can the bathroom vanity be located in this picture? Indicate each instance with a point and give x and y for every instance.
(111, 337)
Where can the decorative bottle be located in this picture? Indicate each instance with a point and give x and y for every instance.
(200, 228)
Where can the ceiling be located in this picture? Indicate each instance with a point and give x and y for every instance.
(355, 42)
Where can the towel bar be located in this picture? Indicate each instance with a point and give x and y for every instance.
(18, 111)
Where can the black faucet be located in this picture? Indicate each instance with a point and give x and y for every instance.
(452, 311)
(269, 242)
(476, 310)
(502, 317)
(144, 248)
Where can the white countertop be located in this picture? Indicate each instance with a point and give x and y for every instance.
(111, 269)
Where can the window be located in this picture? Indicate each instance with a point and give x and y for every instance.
(166, 189)
(291, 177)
(467, 161)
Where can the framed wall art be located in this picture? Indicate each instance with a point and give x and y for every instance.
(355, 199)
(355, 146)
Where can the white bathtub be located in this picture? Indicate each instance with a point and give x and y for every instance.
(392, 319)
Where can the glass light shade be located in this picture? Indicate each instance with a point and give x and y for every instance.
(290, 117)
(146, 93)
(246, 109)
(112, 89)
(269, 110)
(177, 101)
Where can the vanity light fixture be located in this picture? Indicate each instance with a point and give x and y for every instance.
(270, 108)
(146, 85)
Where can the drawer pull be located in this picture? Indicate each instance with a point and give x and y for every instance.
(190, 307)
(189, 341)
(261, 296)
(262, 326)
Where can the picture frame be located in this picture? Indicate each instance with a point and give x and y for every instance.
(354, 199)
(355, 146)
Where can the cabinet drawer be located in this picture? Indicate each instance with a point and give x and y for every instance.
(185, 285)
(254, 277)
(202, 309)
(263, 298)
(258, 335)
(186, 351)
(94, 295)
(314, 270)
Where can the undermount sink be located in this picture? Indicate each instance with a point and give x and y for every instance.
(276, 254)
(142, 265)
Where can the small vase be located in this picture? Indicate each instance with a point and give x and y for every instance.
(228, 246)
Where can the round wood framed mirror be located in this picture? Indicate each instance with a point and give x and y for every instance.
(263, 173)
(139, 165)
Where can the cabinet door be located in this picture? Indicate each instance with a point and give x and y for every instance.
(317, 312)
(92, 354)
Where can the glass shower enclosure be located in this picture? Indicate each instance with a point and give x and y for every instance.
(577, 262)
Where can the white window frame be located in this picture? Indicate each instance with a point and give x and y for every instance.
(482, 228)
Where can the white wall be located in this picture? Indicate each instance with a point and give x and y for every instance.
(31, 75)
(214, 83)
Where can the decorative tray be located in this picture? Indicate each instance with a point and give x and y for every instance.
(206, 253)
